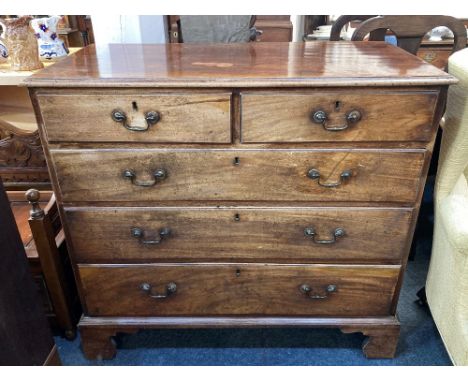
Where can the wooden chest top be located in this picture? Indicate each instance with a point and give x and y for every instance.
(312, 64)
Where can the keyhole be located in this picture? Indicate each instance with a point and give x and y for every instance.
(337, 105)
(236, 217)
(236, 161)
(134, 106)
(237, 272)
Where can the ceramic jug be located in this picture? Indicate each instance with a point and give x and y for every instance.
(19, 41)
(50, 45)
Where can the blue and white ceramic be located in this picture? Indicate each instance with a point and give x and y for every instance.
(50, 45)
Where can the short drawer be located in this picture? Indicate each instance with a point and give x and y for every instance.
(137, 117)
(257, 175)
(284, 235)
(351, 116)
(245, 289)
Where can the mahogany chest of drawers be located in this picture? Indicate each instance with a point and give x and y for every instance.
(246, 185)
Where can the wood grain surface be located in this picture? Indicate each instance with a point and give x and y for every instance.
(385, 116)
(372, 235)
(192, 117)
(239, 289)
(269, 175)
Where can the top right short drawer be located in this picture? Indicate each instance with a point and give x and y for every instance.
(340, 115)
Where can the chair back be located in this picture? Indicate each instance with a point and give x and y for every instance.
(338, 25)
(410, 30)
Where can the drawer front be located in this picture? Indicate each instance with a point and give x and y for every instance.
(172, 290)
(337, 116)
(255, 175)
(107, 117)
(285, 235)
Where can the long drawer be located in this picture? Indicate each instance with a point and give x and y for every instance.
(284, 235)
(255, 175)
(146, 116)
(351, 116)
(244, 289)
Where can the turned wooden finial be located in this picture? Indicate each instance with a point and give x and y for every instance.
(33, 196)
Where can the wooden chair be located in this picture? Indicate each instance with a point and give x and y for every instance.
(24, 332)
(410, 30)
(339, 24)
(49, 241)
(22, 166)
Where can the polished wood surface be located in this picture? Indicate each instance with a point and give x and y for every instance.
(184, 117)
(372, 235)
(321, 63)
(385, 116)
(238, 289)
(212, 175)
(227, 219)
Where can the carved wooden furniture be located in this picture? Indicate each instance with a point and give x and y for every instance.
(24, 333)
(239, 185)
(22, 161)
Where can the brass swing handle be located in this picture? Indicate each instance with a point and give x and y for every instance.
(139, 233)
(321, 118)
(337, 233)
(307, 290)
(171, 288)
(344, 177)
(158, 175)
(151, 118)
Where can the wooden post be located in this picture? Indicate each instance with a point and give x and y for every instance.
(49, 257)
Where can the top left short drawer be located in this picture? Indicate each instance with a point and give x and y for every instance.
(139, 116)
